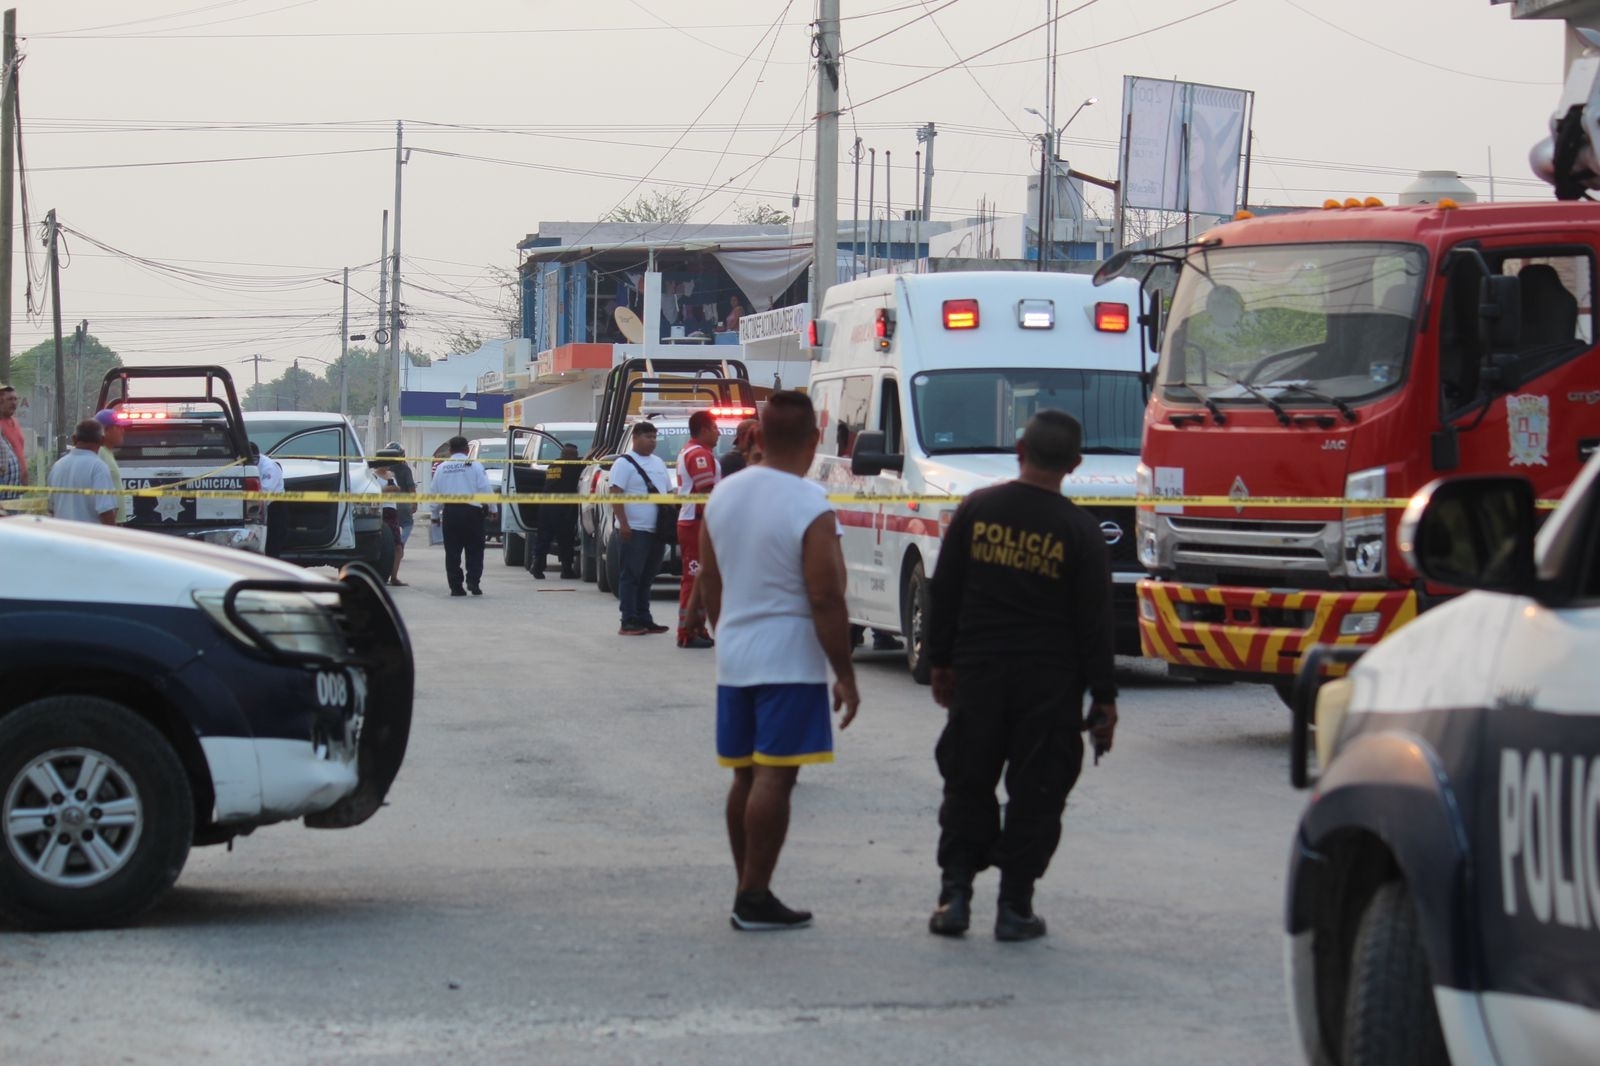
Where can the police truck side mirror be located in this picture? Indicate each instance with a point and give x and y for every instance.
(1473, 533)
(869, 456)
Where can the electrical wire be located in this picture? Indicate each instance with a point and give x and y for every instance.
(926, 14)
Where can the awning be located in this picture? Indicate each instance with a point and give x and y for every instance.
(764, 274)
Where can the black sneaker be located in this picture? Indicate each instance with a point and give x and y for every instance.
(1012, 923)
(762, 912)
(475, 590)
(458, 592)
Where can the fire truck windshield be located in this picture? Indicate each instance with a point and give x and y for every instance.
(967, 411)
(1298, 324)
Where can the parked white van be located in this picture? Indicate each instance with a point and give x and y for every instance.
(922, 384)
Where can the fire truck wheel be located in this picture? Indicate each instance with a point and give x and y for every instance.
(914, 624)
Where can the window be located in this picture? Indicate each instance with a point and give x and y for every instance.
(842, 405)
(985, 410)
(889, 417)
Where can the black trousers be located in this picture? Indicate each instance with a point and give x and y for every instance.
(1021, 720)
(558, 524)
(463, 535)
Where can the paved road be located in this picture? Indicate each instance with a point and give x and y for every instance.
(551, 883)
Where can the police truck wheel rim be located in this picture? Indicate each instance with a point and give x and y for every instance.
(73, 817)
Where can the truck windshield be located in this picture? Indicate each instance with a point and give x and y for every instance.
(964, 411)
(1300, 323)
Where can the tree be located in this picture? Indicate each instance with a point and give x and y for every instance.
(761, 215)
(658, 206)
(33, 373)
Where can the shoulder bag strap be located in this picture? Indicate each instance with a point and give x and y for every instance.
(651, 485)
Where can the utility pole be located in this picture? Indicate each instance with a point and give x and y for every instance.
(925, 135)
(1044, 171)
(888, 209)
(872, 200)
(392, 421)
(382, 333)
(344, 349)
(52, 233)
(8, 164)
(855, 213)
(825, 228)
(80, 333)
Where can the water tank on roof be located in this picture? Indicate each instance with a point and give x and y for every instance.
(1431, 186)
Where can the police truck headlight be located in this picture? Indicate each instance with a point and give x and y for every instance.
(1366, 543)
(281, 621)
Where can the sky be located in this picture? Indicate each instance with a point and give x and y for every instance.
(215, 164)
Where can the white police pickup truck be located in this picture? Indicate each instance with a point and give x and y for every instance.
(1444, 887)
(158, 693)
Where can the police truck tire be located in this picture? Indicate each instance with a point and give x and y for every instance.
(127, 833)
(512, 547)
(588, 568)
(1390, 1018)
(611, 569)
(914, 624)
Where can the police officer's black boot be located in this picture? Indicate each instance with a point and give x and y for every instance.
(1014, 918)
(954, 912)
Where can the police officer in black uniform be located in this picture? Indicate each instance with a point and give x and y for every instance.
(1020, 626)
(558, 522)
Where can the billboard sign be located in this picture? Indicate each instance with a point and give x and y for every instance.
(1181, 145)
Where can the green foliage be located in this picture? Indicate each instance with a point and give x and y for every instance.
(33, 373)
(658, 206)
(308, 385)
(761, 215)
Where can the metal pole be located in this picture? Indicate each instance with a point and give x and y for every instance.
(926, 136)
(916, 230)
(382, 401)
(53, 229)
(825, 233)
(392, 419)
(855, 214)
(1044, 162)
(872, 199)
(8, 163)
(78, 334)
(344, 349)
(888, 210)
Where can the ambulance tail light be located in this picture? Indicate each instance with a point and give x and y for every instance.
(883, 328)
(1111, 317)
(961, 314)
(813, 340)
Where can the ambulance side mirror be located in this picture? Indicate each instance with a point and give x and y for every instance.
(1473, 533)
(869, 455)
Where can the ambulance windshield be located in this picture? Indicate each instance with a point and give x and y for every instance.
(967, 411)
(1293, 323)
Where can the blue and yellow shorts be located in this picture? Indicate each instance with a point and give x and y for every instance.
(773, 725)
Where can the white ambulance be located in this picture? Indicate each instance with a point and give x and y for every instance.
(922, 384)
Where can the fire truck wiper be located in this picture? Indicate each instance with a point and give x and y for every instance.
(1319, 396)
(1258, 393)
(1211, 405)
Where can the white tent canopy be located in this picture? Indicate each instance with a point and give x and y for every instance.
(763, 274)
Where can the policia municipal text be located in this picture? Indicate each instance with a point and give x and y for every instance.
(1020, 625)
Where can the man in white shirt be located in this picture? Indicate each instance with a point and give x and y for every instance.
(111, 440)
(463, 523)
(82, 468)
(772, 577)
(639, 472)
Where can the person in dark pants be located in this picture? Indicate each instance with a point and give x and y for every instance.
(463, 523)
(1020, 625)
(639, 472)
(558, 523)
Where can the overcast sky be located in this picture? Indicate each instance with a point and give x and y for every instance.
(235, 154)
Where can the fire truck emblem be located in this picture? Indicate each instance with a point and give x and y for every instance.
(1239, 493)
(1528, 420)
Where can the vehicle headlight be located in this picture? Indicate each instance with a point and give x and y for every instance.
(1366, 547)
(1144, 481)
(278, 620)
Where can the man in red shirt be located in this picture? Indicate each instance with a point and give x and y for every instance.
(698, 472)
(13, 432)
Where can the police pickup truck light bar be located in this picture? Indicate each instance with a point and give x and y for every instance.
(732, 412)
(1111, 317)
(961, 314)
(1036, 314)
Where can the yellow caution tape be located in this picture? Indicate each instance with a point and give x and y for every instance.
(569, 499)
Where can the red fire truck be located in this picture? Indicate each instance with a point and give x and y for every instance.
(1349, 355)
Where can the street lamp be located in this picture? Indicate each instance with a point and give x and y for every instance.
(1047, 169)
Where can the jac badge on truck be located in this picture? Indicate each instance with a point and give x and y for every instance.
(1528, 421)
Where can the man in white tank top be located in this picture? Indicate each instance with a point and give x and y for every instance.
(773, 581)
